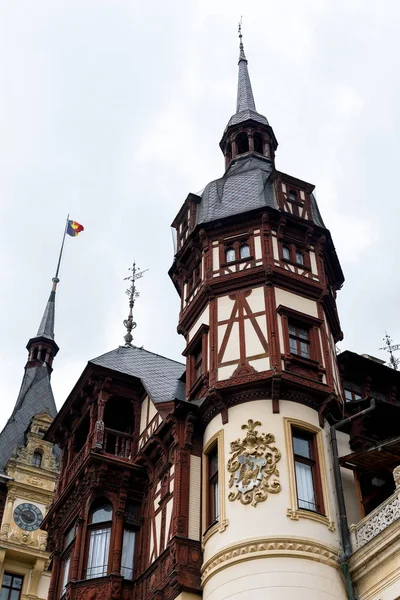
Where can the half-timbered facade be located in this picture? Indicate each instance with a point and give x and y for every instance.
(223, 477)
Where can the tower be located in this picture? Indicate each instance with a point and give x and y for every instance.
(257, 274)
(28, 470)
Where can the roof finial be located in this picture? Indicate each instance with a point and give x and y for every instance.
(242, 55)
(133, 293)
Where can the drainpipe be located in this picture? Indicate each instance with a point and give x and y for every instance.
(343, 524)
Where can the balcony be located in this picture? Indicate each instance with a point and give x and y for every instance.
(377, 521)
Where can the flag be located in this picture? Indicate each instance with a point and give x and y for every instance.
(74, 228)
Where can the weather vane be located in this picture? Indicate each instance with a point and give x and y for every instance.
(391, 348)
(133, 293)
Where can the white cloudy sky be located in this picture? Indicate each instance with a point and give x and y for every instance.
(112, 110)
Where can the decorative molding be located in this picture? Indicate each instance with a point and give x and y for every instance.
(270, 548)
(396, 476)
(378, 520)
(252, 465)
(294, 512)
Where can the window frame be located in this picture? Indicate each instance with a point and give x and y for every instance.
(36, 454)
(304, 321)
(92, 527)
(298, 339)
(293, 511)
(236, 243)
(311, 461)
(212, 509)
(11, 588)
(208, 529)
(67, 555)
(295, 249)
(354, 394)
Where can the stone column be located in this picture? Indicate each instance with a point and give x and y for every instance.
(36, 574)
(54, 576)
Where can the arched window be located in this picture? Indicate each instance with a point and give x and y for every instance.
(230, 255)
(37, 459)
(43, 354)
(35, 353)
(242, 143)
(100, 520)
(228, 152)
(258, 143)
(244, 251)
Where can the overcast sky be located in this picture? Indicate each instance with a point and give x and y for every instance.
(112, 110)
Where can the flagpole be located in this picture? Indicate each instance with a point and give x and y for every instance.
(55, 279)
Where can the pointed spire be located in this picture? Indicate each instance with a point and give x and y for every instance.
(46, 327)
(245, 98)
(133, 293)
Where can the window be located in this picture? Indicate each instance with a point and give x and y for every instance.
(299, 257)
(11, 588)
(295, 254)
(258, 143)
(230, 255)
(299, 340)
(244, 251)
(198, 362)
(309, 496)
(242, 143)
(99, 539)
(286, 252)
(128, 551)
(292, 196)
(352, 391)
(66, 556)
(212, 491)
(37, 459)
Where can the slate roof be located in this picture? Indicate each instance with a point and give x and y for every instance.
(35, 397)
(46, 327)
(160, 376)
(246, 185)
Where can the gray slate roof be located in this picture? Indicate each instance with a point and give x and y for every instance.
(35, 397)
(160, 376)
(245, 186)
(245, 105)
(46, 327)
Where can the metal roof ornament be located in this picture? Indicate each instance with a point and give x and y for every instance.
(133, 293)
(242, 55)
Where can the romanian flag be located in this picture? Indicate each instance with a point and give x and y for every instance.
(74, 228)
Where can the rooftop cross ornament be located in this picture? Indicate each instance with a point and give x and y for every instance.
(391, 348)
(133, 293)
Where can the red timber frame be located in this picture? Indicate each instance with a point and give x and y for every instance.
(148, 478)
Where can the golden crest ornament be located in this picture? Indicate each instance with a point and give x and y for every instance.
(253, 469)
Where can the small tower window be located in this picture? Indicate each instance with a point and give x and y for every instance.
(37, 459)
(286, 252)
(258, 143)
(35, 353)
(299, 257)
(244, 251)
(242, 143)
(292, 196)
(228, 152)
(230, 255)
(43, 354)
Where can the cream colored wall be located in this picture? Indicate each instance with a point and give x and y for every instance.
(269, 520)
(143, 414)
(296, 302)
(278, 578)
(204, 319)
(44, 584)
(188, 596)
(349, 490)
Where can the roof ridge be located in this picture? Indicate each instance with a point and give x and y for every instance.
(182, 364)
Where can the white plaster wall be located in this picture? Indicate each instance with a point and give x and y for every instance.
(256, 300)
(143, 414)
(296, 302)
(224, 308)
(313, 263)
(203, 319)
(152, 411)
(275, 247)
(277, 579)
(268, 518)
(257, 246)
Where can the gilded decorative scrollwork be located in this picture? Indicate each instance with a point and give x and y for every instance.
(253, 469)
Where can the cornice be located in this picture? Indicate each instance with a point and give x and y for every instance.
(271, 547)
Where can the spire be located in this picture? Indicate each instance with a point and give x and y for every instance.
(46, 327)
(245, 105)
(245, 98)
(133, 293)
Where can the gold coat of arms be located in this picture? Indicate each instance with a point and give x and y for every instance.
(253, 466)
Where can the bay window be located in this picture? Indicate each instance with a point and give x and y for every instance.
(99, 534)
